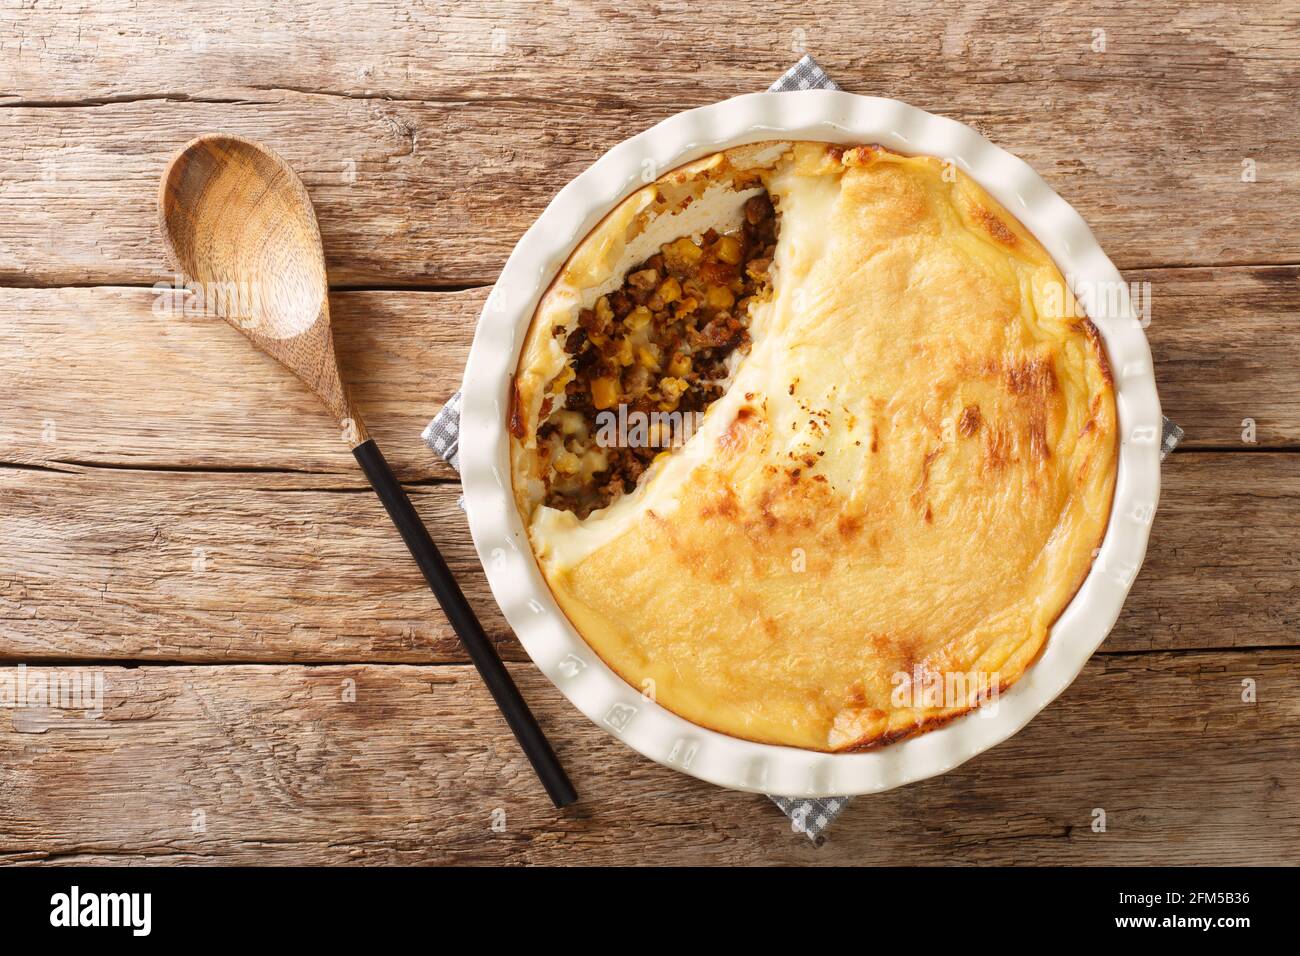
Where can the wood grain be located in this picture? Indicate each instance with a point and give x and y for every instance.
(276, 765)
(167, 497)
(1221, 340)
(180, 566)
(99, 377)
(102, 377)
(430, 136)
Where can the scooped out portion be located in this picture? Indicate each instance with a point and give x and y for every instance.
(665, 341)
(901, 458)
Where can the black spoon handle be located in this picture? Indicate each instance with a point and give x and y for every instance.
(461, 615)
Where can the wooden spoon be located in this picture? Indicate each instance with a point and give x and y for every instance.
(237, 221)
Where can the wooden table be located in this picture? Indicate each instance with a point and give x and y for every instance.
(178, 520)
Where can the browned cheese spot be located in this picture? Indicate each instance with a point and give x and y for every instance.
(739, 431)
(861, 155)
(919, 495)
(1038, 446)
(1033, 381)
(997, 448)
(517, 425)
(724, 505)
(1032, 377)
(1093, 408)
(857, 695)
(995, 226)
(1099, 349)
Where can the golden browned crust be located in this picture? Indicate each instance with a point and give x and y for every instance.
(904, 484)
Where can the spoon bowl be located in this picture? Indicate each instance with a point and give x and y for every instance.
(237, 221)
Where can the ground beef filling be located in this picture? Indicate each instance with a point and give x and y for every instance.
(662, 342)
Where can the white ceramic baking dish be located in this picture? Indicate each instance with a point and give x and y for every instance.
(503, 544)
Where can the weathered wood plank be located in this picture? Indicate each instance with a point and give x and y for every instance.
(95, 376)
(276, 765)
(65, 51)
(114, 564)
(430, 137)
(1223, 341)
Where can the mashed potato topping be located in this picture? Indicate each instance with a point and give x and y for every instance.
(904, 460)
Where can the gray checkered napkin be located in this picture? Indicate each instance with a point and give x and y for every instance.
(808, 816)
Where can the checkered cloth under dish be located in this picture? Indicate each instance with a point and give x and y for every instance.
(807, 815)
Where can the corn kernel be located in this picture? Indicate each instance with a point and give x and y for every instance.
(604, 312)
(685, 307)
(648, 355)
(645, 279)
(604, 392)
(624, 355)
(672, 387)
(728, 250)
(683, 252)
(720, 297)
(670, 290)
(566, 376)
(638, 318)
(567, 463)
(679, 365)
